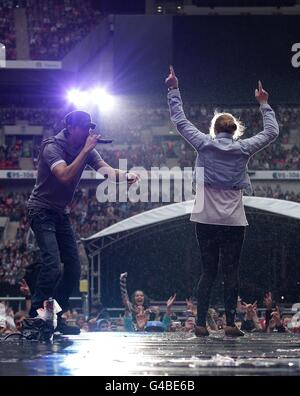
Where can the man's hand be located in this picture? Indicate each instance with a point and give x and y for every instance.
(261, 95)
(91, 142)
(132, 177)
(172, 80)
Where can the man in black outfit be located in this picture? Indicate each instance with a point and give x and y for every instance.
(61, 162)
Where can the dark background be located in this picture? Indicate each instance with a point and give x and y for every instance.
(217, 59)
(165, 259)
(220, 59)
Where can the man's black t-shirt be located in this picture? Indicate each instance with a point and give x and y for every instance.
(49, 192)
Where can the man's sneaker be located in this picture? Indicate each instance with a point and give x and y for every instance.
(201, 331)
(64, 328)
(37, 329)
(233, 331)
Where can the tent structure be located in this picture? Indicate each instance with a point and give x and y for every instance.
(162, 215)
(169, 212)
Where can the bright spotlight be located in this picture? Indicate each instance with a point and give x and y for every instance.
(104, 101)
(78, 98)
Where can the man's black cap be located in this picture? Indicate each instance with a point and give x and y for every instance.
(79, 118)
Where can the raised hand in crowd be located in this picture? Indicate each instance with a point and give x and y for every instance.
(276, 319)
(251, 314)
(123, 275)
(268, 301)
(240, 307)
(24, 288)
(212, 319)
(170, 303)
(124, 295)
(250, 311)
(191, 308)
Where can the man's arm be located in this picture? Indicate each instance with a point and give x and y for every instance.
(111, 173)
(66, 173)
(271, 128)
(183, 125)
(116, 175)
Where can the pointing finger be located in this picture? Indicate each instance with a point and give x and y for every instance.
(172, 70)
(260, 85)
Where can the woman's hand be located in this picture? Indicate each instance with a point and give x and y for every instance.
(261, 95)
(172, 80)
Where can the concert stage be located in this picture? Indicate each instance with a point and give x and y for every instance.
(147, 354)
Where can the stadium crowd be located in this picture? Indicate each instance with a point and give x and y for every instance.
(10, 155)
(7, 28)
(88, 216)
(133, 130)
(141, 314)
(54, 27)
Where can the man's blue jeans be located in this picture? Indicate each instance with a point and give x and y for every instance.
(57, 243)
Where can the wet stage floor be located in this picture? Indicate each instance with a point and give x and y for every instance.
(122, 354)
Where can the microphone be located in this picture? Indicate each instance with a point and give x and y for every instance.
(104, 141)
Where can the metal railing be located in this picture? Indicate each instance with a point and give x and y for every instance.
(179, 306)
(20, 300)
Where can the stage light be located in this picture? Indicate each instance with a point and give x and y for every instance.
(78, 98)
(94, 97)
(104, 101)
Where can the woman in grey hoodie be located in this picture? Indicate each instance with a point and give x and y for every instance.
(220, 178)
